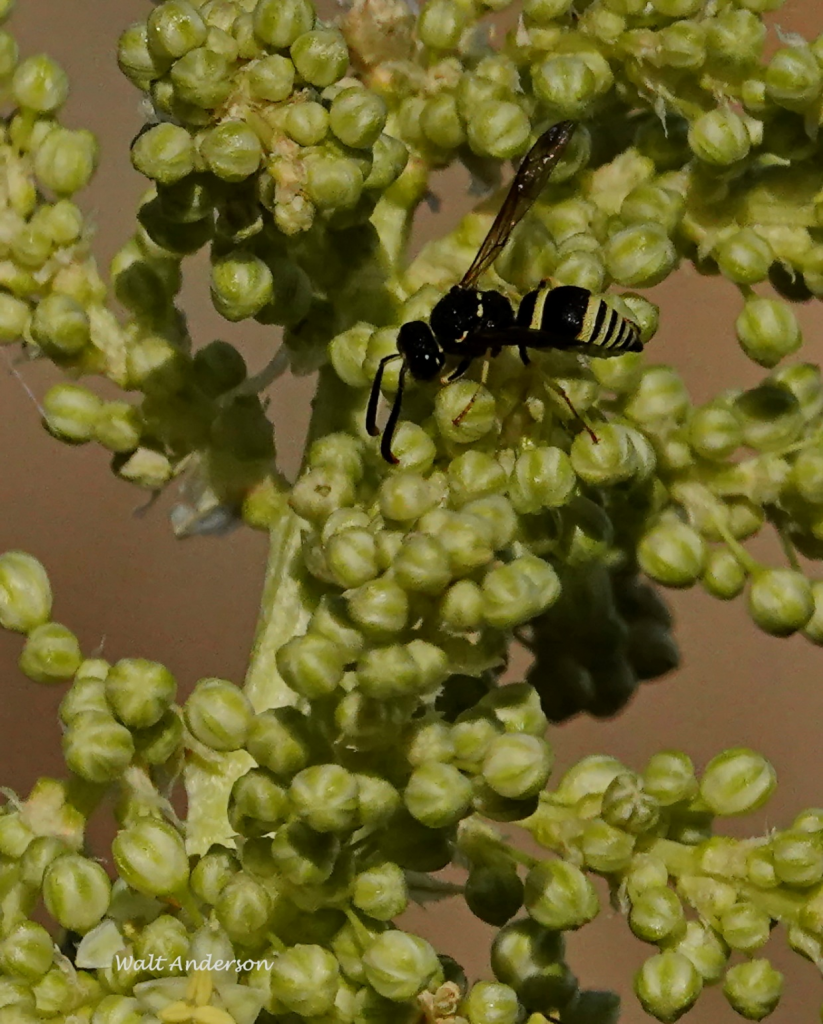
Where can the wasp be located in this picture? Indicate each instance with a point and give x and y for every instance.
(468, 323)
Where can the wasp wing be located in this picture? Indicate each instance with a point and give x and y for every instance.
(529, 182)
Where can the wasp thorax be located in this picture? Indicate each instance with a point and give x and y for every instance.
(420, 350)
(457, 314)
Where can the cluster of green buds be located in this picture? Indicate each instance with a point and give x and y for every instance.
(374, 737)
(310, 826)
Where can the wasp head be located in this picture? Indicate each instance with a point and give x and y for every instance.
(420, 350)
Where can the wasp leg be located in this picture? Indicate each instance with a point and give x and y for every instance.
(462, 366)
(559, 391)
(484, 376)
(391, 423)
(524, 355)
(374, 397)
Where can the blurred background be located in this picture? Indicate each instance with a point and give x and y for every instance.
(127, 587)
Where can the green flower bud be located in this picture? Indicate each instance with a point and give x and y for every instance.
(211, 873)
(461, 608)
(325, 797)
(753, 988)
(305, 980)
(660, 396)
(280, 739)
(780, 601)
(164, 153)
(271, 77)
(151, 858)
(529, 958)
(389, 159)
(705, 949)
(278, 23)
(160, 741)
(241, 285)
(352, 557)
(320, 492)
(307, 123)
(441, 123)
(566, 84)
(517, 707)
(27, 951)
(71, 412)
(669, 777)
(515, 593)
(165, 938)
(797, 857)
(311, 665)
(494, 892)
(218, 714)
(737, 781)
(813, 629)
(543, 12)
(97, 748)
(672, 553)
(627, 805)
(244, 908)
(14, 318)
(517, 765)
(139, 691)
(667, 985)
(421, 564)
(174, 28)
(202, 77)
(608, 461)
(387, 673)
(231, 150)
(767, 331)
(61, 325)
(380, 606)
(744, 257)
(65, 160)
(719, 137)
(653, 203)
(25, 592)
(491, 1003)
(735, 37)
(714, 433)
(496, 514)
(333, 182)
(498, 129)
(381, 891)
(803, 380)
(559, 896)
(681, 45)
(357, 117)
(437, 794)
(473, 475)
(118, 427)
(770, 416)
(605, 849)
(646, 872)
(807, 476)
(51, 654)
(76, 892)
(456, 419)
(40, 84)
(321, 56)
(399, 965)
(406, 496)
(582, 269)
(440, 24)
(793, 77)
(745, 927)
(640, 255)
(257, 802)
(135, 59)
(657, 915)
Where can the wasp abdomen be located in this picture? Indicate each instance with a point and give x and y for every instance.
(584, 322)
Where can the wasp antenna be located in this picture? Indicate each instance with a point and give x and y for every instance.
(374, 397)
(391, 424)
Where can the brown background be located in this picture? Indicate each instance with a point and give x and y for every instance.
(124, 584)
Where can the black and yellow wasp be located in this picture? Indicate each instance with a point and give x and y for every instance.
(468, 323)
